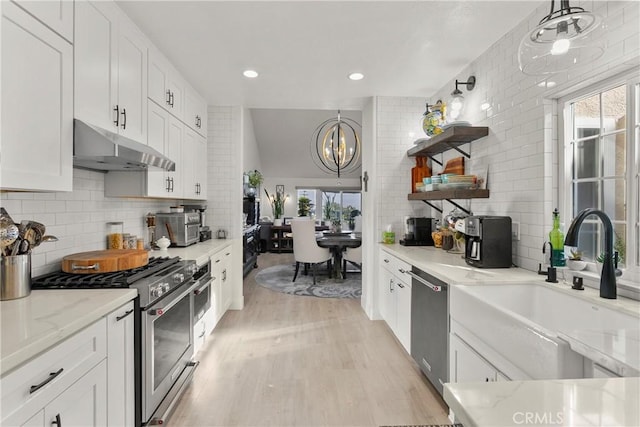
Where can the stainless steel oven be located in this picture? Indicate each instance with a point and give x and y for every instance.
(202, 291)
(163, 332)
(167, 351)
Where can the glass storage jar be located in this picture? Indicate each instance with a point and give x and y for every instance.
(114, 235)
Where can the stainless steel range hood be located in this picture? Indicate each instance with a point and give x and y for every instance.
(100, 149)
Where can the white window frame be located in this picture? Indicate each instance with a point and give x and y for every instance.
(565, 187)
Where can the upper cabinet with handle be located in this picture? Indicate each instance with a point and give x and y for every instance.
(165, 85)
(37, 98)
(110, 70)
(195, 111)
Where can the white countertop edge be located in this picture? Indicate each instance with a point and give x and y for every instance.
(198, 252)
(37, 346)
(563, 402)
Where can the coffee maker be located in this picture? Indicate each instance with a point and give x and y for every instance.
(417, 232)
(205, 232)
(488, 241)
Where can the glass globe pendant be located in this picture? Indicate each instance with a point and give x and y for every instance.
(565, 37)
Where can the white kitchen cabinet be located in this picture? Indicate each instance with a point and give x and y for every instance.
(194, 158)
(55, 14)
(210, 320)
(165, 85)
(37, 104)
(466, 365)
(86, 380)
(39, 387)
(165, 134)
(199, 335)
(222, 282)
(110, 70)
(395, 297)
(195, 111)
(121, 367)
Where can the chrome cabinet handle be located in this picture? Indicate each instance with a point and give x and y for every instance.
(117, 120)
(50, 378)
(402, 270)
(401, 285)
(124, 118)
(434, 288)
(386, 260)
(119, 318)
(168, 98)
(57, 421)
(171, 99)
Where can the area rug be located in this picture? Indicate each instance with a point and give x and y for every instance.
(278, 278)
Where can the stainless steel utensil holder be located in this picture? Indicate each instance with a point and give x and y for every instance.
(15, 277)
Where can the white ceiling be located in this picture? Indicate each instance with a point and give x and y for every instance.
(304, 49)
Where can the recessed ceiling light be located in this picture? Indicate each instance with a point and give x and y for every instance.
(252, 74)
(356, 76)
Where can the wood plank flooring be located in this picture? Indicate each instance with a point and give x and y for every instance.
(304, 361)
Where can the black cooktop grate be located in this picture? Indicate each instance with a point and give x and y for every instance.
(119, 279)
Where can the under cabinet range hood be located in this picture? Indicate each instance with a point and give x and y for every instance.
(99, 149)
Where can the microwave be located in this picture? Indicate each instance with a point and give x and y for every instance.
(182, 228)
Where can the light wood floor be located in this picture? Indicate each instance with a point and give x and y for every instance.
(304, 361)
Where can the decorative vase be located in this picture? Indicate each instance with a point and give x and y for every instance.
(433, 120)
(277, 222)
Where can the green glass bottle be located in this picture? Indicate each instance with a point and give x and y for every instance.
(556, 237)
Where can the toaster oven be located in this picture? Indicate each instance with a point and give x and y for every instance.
(182, 228)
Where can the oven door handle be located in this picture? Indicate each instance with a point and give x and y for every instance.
(160, 310)
(434, 288)
(203, 287)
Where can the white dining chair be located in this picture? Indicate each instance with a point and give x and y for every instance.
(353, 256)
(305, 248)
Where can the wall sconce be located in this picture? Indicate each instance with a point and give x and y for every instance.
(563, 38)
(456, 103)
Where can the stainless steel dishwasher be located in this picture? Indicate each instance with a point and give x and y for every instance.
(430, 326)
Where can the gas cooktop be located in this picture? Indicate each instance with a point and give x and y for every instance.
(119, 279)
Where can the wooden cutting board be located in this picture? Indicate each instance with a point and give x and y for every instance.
(106, 261)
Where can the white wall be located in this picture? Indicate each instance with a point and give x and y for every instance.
(521, 149)
(78, 218)
(250, 151)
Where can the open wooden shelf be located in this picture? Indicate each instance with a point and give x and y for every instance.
(450, 138)
(450, 194)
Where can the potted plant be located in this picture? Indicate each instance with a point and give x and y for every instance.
(304, 206)
(254, 179)
(277, 201)
(575, 261)
(327, 209)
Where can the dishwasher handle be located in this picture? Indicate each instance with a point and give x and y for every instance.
(434, 288)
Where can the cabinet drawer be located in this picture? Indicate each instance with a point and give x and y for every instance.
(396, 266)
(35, 383)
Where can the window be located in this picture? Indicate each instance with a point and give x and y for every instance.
(334, 205)
(309, 194)
(601, 133)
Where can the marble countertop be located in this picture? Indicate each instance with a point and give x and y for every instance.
(198, 252)
(39, 321)
(589, 402)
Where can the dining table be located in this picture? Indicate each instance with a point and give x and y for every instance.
(338, 242)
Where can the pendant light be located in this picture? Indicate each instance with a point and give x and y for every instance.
(335, 145)
(565, 37)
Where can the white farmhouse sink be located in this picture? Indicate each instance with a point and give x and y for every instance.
(522, 322)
